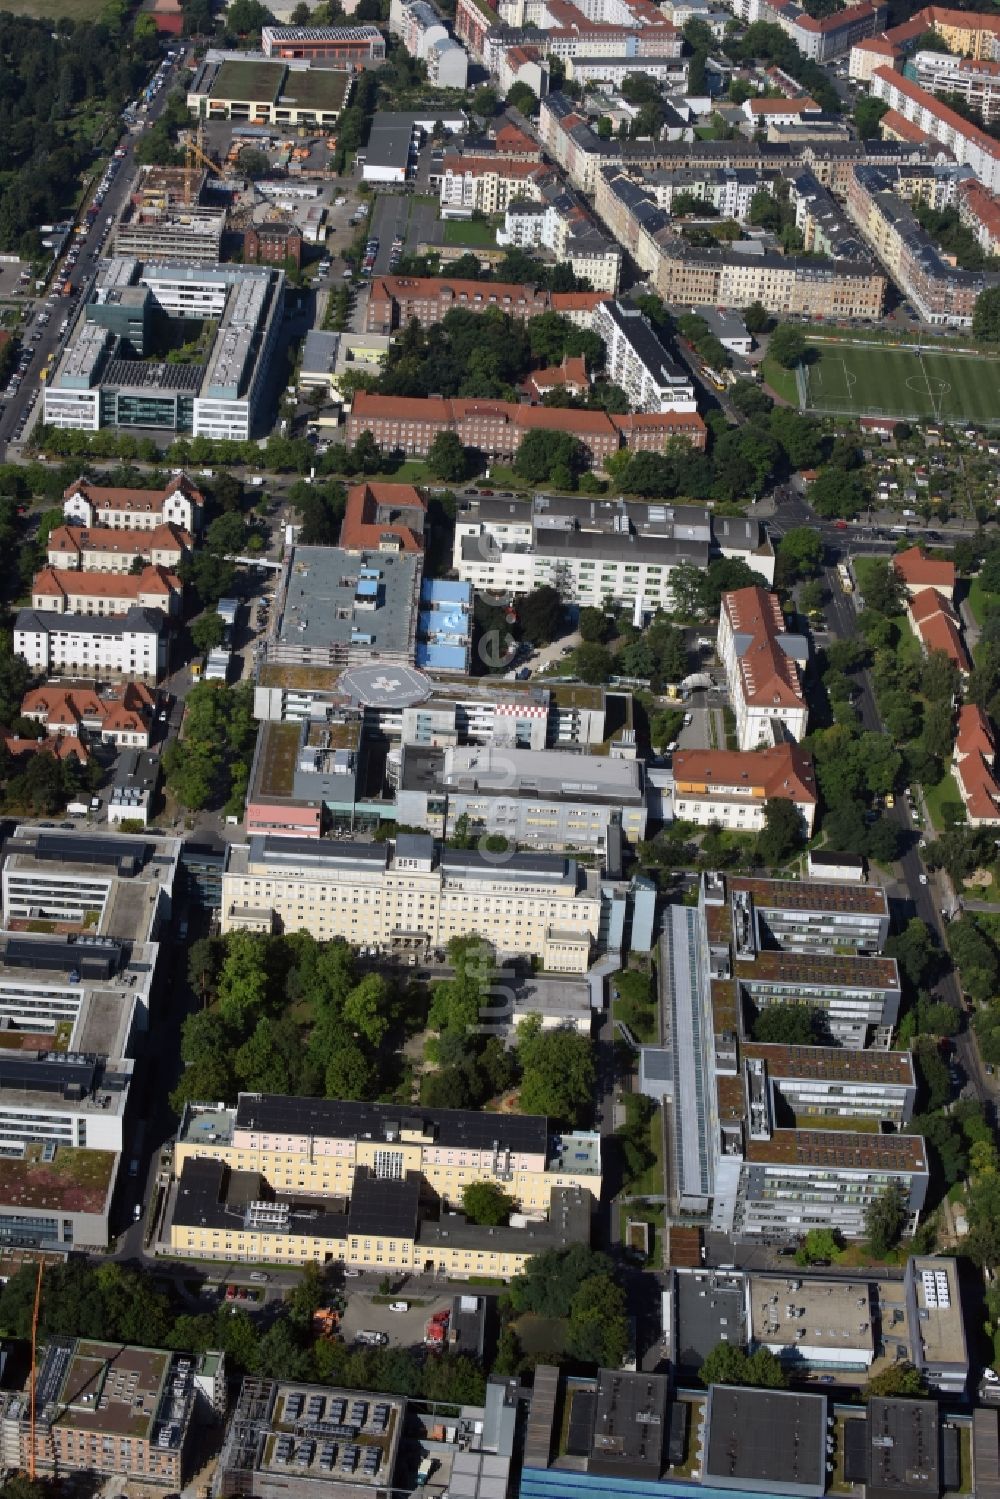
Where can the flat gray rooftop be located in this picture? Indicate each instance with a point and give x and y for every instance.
(709, 1305)
(334, 597)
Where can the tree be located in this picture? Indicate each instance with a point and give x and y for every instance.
(598, 1331)
(540, 614)
(837, 495)
(783, 831)
(487, 1203)
(485, 101)
(790, 1025)
(819, 1244)
(885, 1221)
(207, 632)
(523, 98)
(986, 317)
(757, 318)
(787, 343)
(728, 1364)
(446, 458)
(558, 1073)
(593, 663)
(800, 554)
(546, 1286)
(544, 451)
(868, 111)
(366, 1009)
(594, 626)
(899, 1380)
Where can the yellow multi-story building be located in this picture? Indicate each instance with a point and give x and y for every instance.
(293, 1179)
(414, 895)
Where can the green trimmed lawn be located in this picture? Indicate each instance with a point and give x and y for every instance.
(476, 233)
(939, 796)
(981, 602)
(919, 383)
(781, 381)
(651, 1182)
(412, 471)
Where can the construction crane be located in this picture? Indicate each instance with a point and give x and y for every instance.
(34, 1366)
(196, 152)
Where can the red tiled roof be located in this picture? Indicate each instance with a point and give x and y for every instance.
(128, 709)
(134, 499)
(116, 539)
(940, 111)
(894, 123)
(769, 675)
(919, 571)
(361, 527)
(975, 732)
(784, 771)
(982, 205)
(52, 582)
(60, 745)
(879, 44)
(572, 373)
(783, 106)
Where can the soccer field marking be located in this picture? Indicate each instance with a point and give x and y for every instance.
(849, 381)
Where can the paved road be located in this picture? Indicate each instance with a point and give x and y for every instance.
(81, 278)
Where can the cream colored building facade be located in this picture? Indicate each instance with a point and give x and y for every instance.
(442, 1146)
(414, 895)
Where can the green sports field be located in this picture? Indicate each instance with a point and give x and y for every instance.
(932, 384)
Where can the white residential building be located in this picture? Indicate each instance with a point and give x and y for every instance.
(763, 663)
(424, 36)
(561, 224)
(638, 362)
(597, 551)
(81, 645)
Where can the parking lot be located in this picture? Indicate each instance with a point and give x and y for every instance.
(404, 1329)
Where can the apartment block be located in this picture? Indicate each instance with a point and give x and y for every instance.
(597, 551)
(878, 202)
(111, 549)
(132, 645)
(423, 35)
(980, 212)
(763, 663)
(830, 37)
(761, 1135)
(831, 915)
(547, 799)
(637, 361)
(976, 82)
(969, 145)
(106, 593)
(414, 896)
(394, 301)
(107, 1409)
(497, 428)
(784, 284)
(180, 505)
(731, 788)
(560, 223)
(488, 183)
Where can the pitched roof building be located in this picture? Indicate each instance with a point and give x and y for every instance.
(937, 626)
(732, 787)
(763, 662)
(917, 571)
(383, 517)
(974, 759)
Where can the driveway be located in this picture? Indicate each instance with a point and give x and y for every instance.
(405, 1329)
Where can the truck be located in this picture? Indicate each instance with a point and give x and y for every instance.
(845, 577)
(76, 809)
(424, 1472)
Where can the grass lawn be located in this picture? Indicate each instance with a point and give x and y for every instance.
(475, 232)
(939, 796)
(982, 602)
(502, 477)
(651, 1182)
(917, 383)
(412, 471)
(781, 381)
